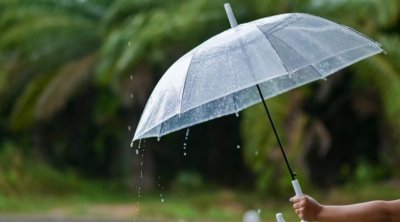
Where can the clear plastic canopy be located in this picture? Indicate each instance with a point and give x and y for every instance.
(219, 77)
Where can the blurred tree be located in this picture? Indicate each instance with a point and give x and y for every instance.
(75, 75)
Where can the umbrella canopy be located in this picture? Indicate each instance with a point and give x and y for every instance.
(274, 54)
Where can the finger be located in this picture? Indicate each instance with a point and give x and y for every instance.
(297, 205)
(294, 199)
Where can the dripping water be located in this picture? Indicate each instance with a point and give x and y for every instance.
(186, 142)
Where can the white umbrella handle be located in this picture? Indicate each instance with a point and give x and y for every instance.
(297, 190)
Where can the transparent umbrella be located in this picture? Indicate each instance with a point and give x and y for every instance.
(247, 64)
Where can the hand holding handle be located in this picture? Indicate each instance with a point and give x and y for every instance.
(297, 190)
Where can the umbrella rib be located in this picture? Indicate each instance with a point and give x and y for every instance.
(184, 83)
(273, 47)
(312, 65)
(285, 22)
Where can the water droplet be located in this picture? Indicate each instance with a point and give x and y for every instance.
(141, 163)
(256, 153)
(184, 153)
(238, 146)
(131, 77)
(131, 95)
(132, 144)
(137, 151)
(160, 194)
(129, 43)
(187, 132)
(259, 211)
(129, 128)
(158, 139)
(162, 200)
(237, 114)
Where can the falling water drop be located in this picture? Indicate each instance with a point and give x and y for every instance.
(137, 151)
(131, 95)
(185, 142)
(129, 43)
(131, 77)
(238, 147)
(259, 211)
(129, 128)
(187, 134)
(158, 139)
(162, 200)
(237, 114)
(256, 153)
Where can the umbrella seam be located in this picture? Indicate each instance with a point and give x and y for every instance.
(184, 82)
(285, 22)
(311, 64)
(318, 61)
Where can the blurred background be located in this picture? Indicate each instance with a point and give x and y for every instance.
(75, 76)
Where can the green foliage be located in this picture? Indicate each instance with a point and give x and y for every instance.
(262, 152)
(21, 175)
(56, 54)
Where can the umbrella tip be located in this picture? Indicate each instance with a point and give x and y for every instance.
(231, 16)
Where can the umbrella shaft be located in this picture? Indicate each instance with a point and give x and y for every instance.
(292, 174)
